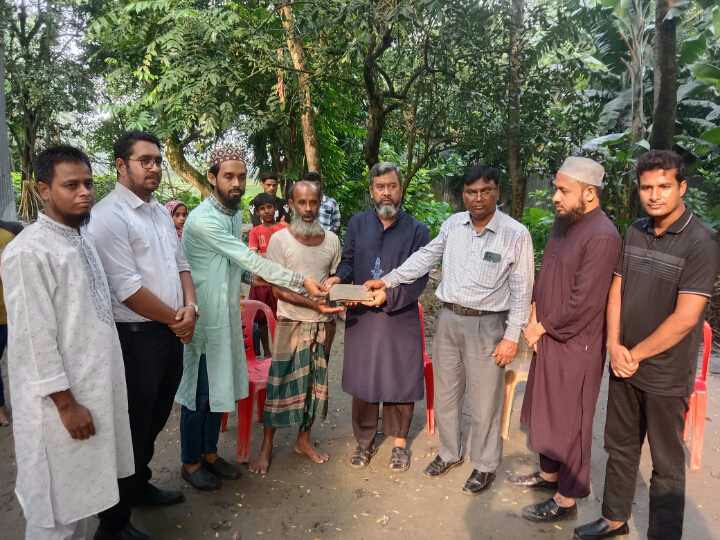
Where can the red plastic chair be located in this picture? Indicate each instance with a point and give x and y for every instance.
(697, 406)
(429, 381)
(257, 378)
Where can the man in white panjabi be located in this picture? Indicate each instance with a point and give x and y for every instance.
(71, 427)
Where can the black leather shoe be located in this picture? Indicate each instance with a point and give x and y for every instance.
(548, 511)
(154, 496)
(598, 529)
(438, 467)
(222, 469)
(201, 479)
(127, 533)
(478, 482)
(532, 481)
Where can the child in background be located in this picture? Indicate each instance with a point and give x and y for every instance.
(258, 241)
(179, 213)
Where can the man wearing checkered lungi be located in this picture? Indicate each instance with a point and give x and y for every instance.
(297, 387)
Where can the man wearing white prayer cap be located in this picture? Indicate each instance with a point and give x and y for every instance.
(567, 332)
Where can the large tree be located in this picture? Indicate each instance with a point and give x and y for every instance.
(46, 79)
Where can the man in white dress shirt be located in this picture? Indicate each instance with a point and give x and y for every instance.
(71, 429)
(153, 305)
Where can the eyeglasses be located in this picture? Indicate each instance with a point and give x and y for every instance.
(481, 193)
(148, 162)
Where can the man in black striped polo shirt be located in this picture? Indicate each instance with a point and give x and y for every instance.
(662, 284)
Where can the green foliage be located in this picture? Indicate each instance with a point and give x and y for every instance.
(47, 84)
(200, 72)
(539, 221)
(420, 202)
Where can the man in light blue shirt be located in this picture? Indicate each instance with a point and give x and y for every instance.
(486, 288)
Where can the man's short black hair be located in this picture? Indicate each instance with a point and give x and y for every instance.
(263, 198)
(312, 176)
(45, 161)
(660, 159)
(267, 175)
(124, 145)
(214, 169)
(476, 172)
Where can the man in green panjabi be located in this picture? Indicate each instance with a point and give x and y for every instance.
(214, 368)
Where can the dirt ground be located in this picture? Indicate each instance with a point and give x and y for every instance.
(299, 499)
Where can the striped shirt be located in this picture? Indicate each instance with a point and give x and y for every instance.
(488, 271)
(329, 216)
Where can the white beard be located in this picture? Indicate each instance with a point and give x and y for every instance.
(306, 230)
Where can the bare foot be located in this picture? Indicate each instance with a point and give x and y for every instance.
(261, 463)
(4, 419)
(304, 446)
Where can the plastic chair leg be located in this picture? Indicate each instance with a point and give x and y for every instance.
(429, 399)
(698, 431)
(244, 430)
(260, 397)
(689, 417)
(223, 422)
(510, 384)
(687, 431)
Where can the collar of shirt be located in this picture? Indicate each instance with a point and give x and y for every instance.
(493, 225)
(133, 200)
(65, 230)
(677, 226)
(220, 207)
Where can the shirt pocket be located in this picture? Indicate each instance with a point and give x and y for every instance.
(491, 272)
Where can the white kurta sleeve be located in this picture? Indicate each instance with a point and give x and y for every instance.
(29, 286)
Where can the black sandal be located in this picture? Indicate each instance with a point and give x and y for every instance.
(361, 457)
(400, 459)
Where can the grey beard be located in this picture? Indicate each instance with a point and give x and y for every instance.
(387, 211)
(307, 230)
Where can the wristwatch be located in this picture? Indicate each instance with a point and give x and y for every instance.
(196, 308)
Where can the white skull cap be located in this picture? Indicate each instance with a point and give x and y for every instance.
(583, 170)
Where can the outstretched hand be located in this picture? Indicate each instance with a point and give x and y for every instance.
(379, 297)
(374, 284)
(328, 283)
(313, 288)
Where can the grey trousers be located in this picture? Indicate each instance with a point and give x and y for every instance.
(464, 369)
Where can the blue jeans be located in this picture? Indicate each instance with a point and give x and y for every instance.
(199, 429)
(3, 344)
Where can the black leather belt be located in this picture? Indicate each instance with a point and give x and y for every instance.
(467, 312)
(149, 326)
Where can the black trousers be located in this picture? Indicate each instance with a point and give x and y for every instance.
(153, 358)
(631, 415)
(397, 418)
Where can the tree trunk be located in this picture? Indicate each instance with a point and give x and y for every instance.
(409, 115)
(665, 86)
(375, 127)
(176, 158)
(307, 118)
(7, 193)
(518, 182)
(30, 203)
